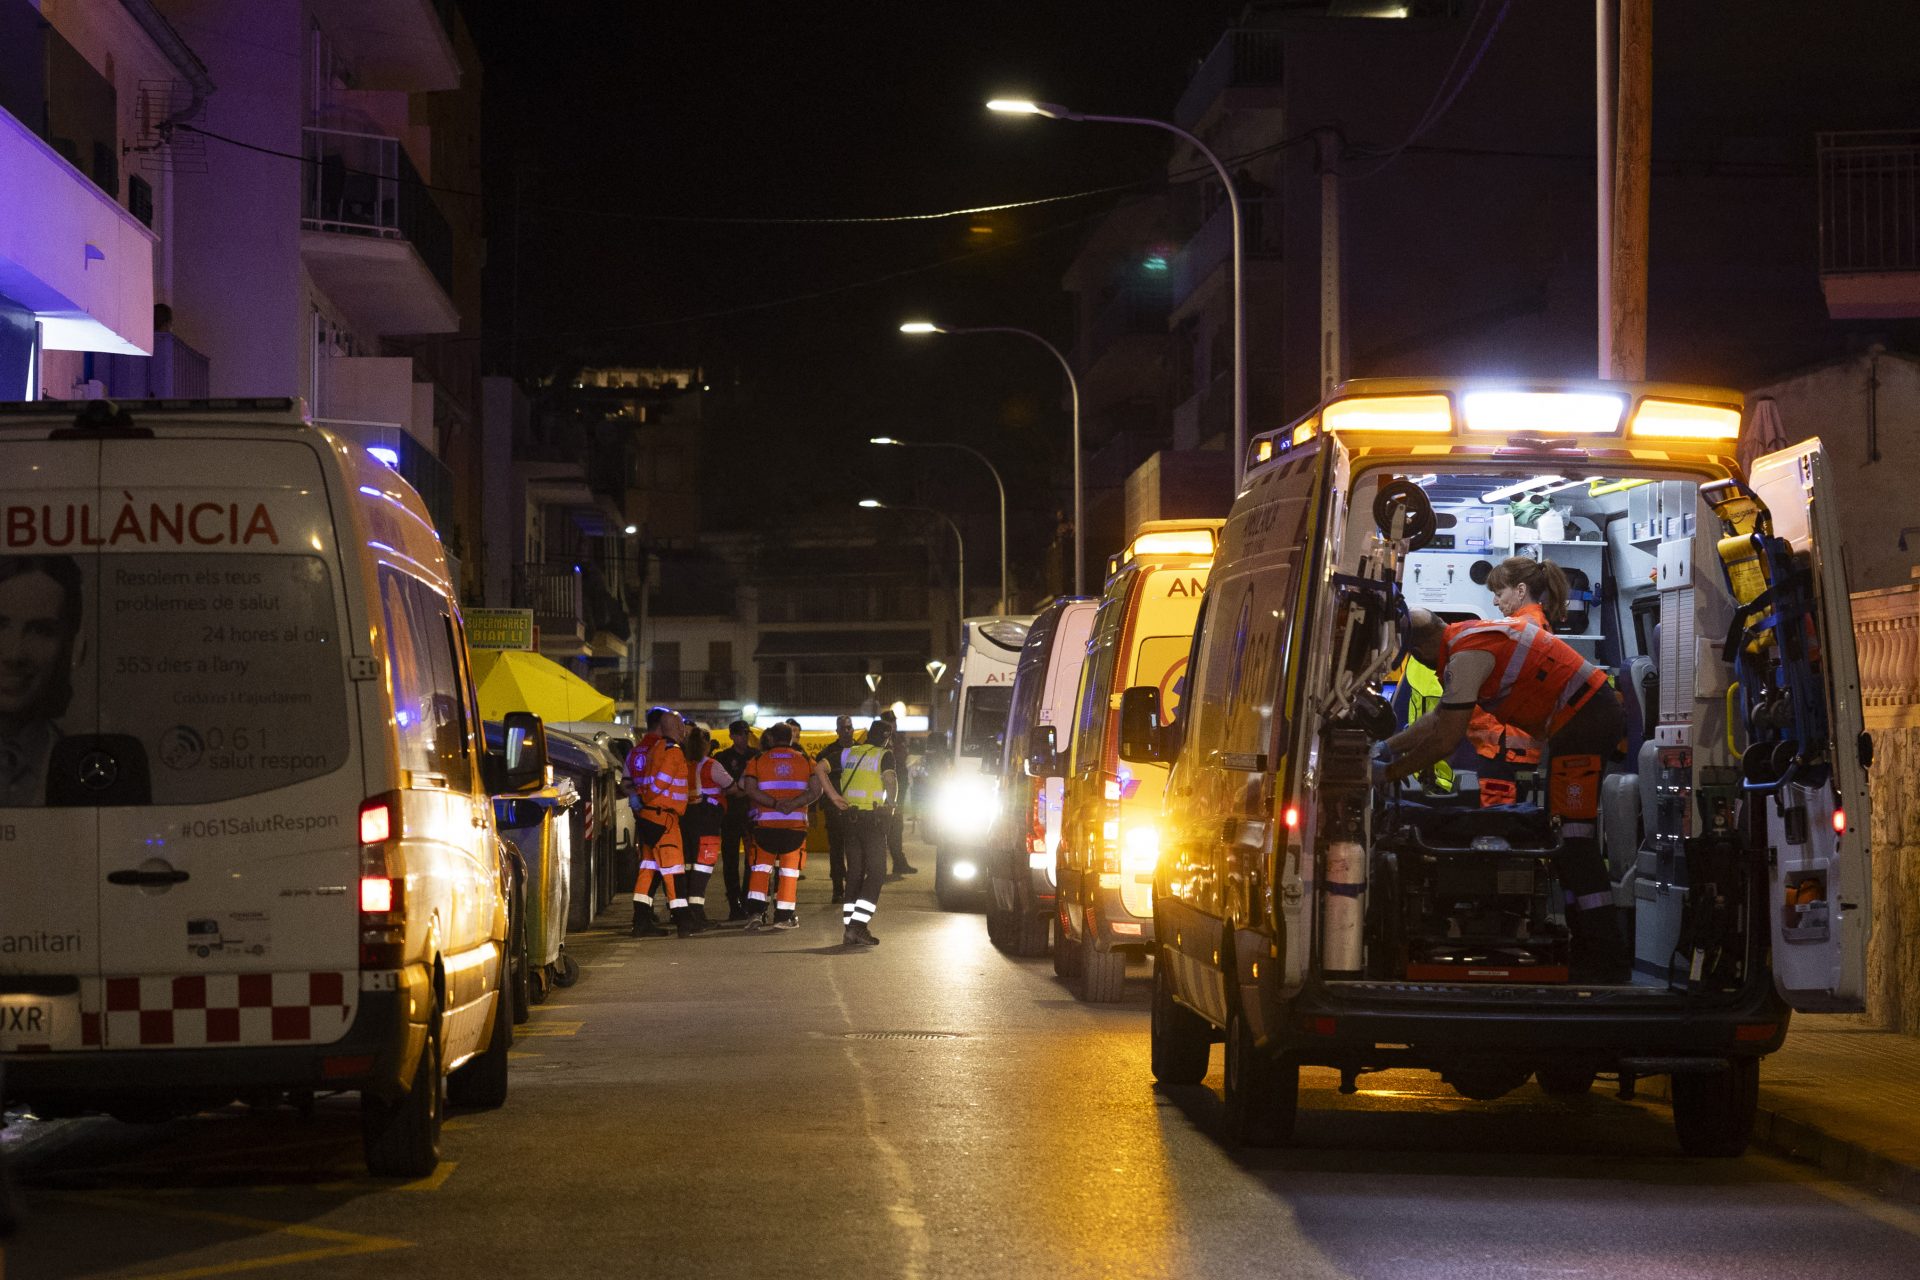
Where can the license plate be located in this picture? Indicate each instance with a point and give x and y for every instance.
(39, 1022)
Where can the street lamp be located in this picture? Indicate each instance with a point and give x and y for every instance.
(998, 483)
(874, 504)
(1073, 393)
(1052, 111)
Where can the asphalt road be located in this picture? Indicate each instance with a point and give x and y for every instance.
(769, 1105)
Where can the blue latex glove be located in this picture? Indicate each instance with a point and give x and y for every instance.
(1382, 757)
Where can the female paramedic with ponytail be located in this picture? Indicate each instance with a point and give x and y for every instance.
(1534, 591)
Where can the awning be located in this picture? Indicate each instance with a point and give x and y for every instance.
(513, 680)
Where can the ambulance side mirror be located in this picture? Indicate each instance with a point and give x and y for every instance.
(1043, 753)
(521, 763)
(1142, 737)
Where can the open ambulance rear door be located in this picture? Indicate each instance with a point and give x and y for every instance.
(1821, 882)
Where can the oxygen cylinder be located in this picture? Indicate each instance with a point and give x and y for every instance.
(1343, 913)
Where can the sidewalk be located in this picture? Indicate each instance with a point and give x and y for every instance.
(1844, 1095)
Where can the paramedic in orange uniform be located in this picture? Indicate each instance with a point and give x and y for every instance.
(662, 787)
(1536, 591)
(1527, 677)
(781, 784)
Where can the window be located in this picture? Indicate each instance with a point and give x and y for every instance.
(428, 717)
(140, 199)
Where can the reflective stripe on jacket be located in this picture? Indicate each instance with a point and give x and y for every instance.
(1538, 681)
(781, 773)
(664, 785)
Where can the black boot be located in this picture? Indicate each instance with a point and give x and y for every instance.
(683, 923)
(850, 936)
(866, 933)
(644, 925)
(699, 910)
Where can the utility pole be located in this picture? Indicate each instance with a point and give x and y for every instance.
(1606, 18)
(1327, 145)
(1632, 179)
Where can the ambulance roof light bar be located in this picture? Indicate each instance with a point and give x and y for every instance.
(1684, 420)
(1196, 540)
(1572, 413)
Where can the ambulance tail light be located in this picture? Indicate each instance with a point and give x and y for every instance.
(1684, 420)
(383, 898)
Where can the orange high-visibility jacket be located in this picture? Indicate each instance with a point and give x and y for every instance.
(1538, 681)
(781, 772)
(1494, 740)
(663, 787)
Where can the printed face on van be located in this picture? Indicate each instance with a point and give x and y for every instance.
(39, 620)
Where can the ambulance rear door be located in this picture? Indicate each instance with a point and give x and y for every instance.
(1821, 883)
(49, 716)
(229, 899)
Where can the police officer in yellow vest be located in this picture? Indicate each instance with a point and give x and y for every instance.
(868, 779)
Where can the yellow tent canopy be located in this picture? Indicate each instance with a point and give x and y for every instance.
(515, 680)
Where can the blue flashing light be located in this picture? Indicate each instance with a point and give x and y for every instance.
(1155, 262)
(387, 455)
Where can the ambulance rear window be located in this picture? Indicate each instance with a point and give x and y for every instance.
(228, 668)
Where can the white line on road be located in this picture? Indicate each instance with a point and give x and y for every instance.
(904, 1212)
(1885, 1212)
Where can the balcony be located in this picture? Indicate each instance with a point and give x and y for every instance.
(372, 237)
(1131, 313)
(863, 601)
(557, 597)
(836, 693)
(707, 687)
(174, 371)
(1212, 245)
(1870, 224)
(1246, 67)
(394, 44)
(1886, 631)
(56, 93)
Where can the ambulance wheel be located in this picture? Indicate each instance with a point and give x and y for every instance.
(1262, 1093)
(1567, 1080)
(519, 968)
(401, 1136)
(996, 921)
(1180, 1039)
(1103, 974)
(482, 1082)
(1713, 1114)
(1027, 933)
(1066, 954)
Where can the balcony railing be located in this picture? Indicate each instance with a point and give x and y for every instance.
(835, 602)
(691, 686)
(432, 481)
(363, 184)
(1212, 244)
(1870, 201)
(1886, 631)
(174, 371)
(1243, 58)
(1130, 312)
(556, 595)
(48, 86)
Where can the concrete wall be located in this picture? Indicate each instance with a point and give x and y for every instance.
(1886, 627)
(1871, 436)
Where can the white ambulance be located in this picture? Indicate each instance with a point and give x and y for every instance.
(246, 843)
(964, 793)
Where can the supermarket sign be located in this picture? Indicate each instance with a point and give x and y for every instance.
(500, 628)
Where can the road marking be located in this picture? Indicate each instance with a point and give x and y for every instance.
(538, 1029)
(523, 1053)
(366, 1182)
(1884, 1212)
(340, 1244)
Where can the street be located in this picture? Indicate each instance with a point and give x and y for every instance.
(768, 1104)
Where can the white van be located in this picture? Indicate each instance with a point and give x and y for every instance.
(1309, 913)
(246, 843)
(963, 796)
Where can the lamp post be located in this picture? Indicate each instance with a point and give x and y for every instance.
(997, 481)
(1073, 394)
(1052, 111)
(874, 504)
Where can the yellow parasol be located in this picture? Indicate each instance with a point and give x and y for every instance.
(515, 680)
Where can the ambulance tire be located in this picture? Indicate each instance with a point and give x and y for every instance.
(482, 1082)
(1103, 975)
(1027, 933)
(996, 921)
(1713, 1114)
(1262, 1092)
(1180, 1040)
(401, 1136)
(1066, 955)
(519, 967)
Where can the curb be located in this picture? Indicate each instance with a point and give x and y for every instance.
(1804, 1141)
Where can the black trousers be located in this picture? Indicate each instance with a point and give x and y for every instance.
(837, 845)
(897, 839)
(733, 839)
(866, 861)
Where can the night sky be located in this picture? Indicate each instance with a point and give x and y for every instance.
(609, 118)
